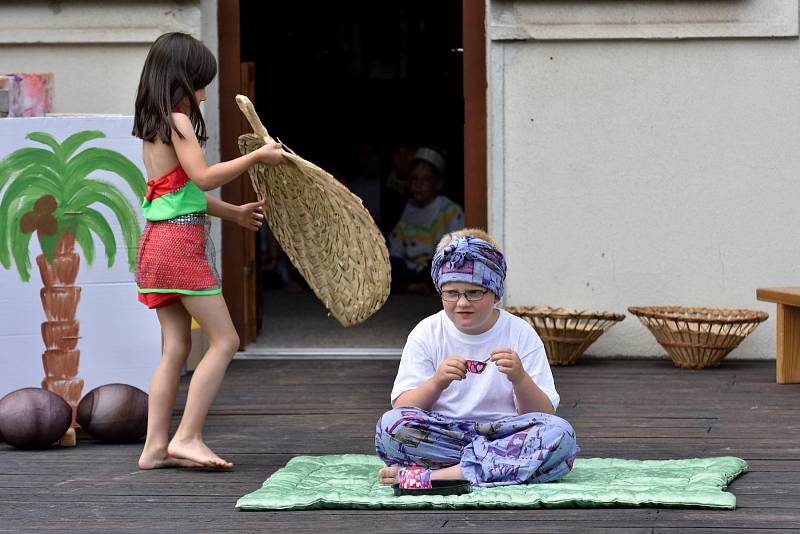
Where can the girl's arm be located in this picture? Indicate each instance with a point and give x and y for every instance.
(249, 216)
(530, 398)
(206, 177)
(426, 394)
(422, 397)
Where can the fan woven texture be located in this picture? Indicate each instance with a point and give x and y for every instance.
(698, 337)
(566, 332)
(324, 229)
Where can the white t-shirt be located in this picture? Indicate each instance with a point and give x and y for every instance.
(488, 396)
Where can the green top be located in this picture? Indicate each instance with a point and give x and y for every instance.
(172, 195)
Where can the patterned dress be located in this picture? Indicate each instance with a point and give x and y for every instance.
(176, 255)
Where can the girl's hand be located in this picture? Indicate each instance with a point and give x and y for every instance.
(250, 216)
(453, 368)
(509, 364)
(270, 154)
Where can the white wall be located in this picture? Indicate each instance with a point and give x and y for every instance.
(120, 339)
(645, 172)
(96, 50)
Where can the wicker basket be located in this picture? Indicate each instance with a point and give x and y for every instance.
(698, 337)
(324, 229)
(566, 332)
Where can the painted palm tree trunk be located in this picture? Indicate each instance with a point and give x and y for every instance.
(60, 298)
(52, 192)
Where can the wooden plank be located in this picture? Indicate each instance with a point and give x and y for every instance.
(782, 295)
(475, 98)
(248, 88)
(269, 412)
(787, 367)
(233, 236)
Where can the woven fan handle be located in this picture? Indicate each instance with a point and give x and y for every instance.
(252, 117)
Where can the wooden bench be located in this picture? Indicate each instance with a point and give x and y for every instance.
(787, 354)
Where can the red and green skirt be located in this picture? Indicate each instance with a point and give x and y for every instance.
(176, 258)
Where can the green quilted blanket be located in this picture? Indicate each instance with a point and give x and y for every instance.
(350, 481)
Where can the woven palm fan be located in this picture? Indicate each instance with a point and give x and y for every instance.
(324, 229)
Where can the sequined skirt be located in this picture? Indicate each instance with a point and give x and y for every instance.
(176, 257)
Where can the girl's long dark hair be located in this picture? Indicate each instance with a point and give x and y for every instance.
(176, 66)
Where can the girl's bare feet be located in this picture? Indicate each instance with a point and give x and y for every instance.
(196, 451)
(156, 459)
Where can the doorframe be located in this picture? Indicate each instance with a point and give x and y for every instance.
(234, 262)
(234, 259)
(475, 96)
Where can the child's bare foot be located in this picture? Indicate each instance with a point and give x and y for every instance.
(196, 451)
(160, 459)
(388, 475)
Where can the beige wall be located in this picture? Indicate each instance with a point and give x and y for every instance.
(634, 168)
(89, 78)
(96, 50)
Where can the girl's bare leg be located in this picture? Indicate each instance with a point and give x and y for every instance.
(388, 475)
(176, 344)
(212, 314)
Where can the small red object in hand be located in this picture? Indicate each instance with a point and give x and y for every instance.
(475, 366)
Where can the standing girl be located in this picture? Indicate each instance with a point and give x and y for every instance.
(175, 270)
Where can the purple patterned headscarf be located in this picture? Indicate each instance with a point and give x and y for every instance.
(472, 260)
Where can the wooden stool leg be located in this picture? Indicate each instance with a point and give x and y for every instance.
(787, 364)
(68, 439)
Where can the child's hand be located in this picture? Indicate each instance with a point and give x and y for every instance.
(453, 368)
(270, 154)
(509, 364)
(251, 215)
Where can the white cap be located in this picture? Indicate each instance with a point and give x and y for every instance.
(429, 155)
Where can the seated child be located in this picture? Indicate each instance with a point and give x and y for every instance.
(494, 428)
(427, 217)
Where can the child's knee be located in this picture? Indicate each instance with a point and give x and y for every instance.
(564, 426)
(177, 349)
(405, 424)
(562, 443)
(228, 343)
(401, 417)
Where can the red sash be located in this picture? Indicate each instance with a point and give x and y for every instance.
(169, 183)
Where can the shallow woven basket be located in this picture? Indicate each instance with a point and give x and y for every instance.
(324, 229)
(698, 337)
(566, 332)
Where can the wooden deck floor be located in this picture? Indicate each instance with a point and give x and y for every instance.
(270, 411)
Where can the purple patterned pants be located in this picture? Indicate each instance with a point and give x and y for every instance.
(528, 448)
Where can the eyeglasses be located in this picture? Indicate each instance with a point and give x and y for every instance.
(472, 295)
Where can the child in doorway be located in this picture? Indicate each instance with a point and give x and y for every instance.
(427, 216)
(175, 271)
(491, 429)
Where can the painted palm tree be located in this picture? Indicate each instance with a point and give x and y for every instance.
(49, 191)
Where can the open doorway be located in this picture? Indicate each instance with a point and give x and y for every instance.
(349, 85)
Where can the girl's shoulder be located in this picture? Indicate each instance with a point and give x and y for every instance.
(430, 326)
(519, 328)
(182, 121)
